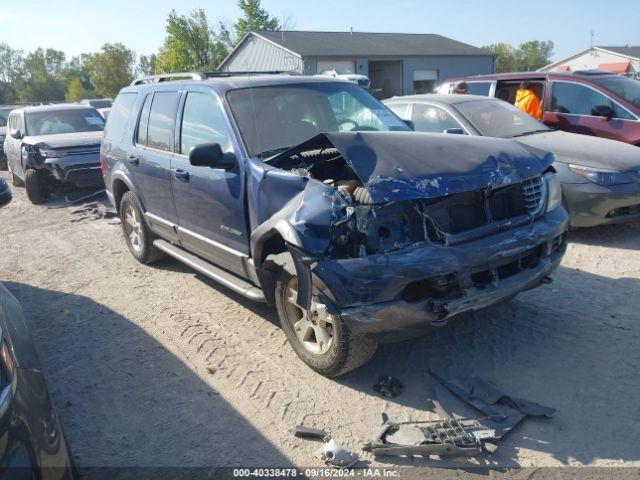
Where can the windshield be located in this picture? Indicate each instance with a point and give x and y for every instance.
(63, 121)
(624, 87)
(495, 118)
(274, 118)
(4, 114)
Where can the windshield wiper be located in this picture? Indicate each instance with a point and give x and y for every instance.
(273, 152)
(532, 132)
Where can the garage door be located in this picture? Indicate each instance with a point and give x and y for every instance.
(337, 65)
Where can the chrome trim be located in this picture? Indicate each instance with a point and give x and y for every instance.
(156, 218)
(213, 243)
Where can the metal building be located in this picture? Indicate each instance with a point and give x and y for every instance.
(396, 63)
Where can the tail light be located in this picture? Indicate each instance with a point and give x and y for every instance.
(101, 162)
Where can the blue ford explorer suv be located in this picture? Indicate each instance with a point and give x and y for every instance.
(309, 194)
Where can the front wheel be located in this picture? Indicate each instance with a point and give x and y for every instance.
(136, 232)
(35, 188)
(323, 341)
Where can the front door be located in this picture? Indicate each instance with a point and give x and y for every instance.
(209, 200)
(571, 109)
(150, 160)
(13, 150)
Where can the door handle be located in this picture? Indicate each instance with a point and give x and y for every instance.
(181, 175)
(133, 160)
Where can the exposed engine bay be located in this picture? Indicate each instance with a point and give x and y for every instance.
(367, 224)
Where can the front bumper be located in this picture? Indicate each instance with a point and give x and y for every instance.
(78, 171)
(371, 293)
(590, 204)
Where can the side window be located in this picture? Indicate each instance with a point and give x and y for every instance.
(119, 116)
(428, 118)
(203, 121)
(162, 120)
(478, 88)
(400, 109)
(580, 100)
(143, 121)
(11, 122)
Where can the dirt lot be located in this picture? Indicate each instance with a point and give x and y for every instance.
(159, 366)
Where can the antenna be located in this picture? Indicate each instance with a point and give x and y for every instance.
(351, 30)
(592, 34)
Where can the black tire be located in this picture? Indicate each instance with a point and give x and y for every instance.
(346, 352)
(362, 196)
(34, 187)
(4, 164)
(142, 248)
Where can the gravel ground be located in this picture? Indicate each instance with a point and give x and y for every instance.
(159, 366)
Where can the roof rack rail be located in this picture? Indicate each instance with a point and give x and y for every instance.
(164, 77)
(167, 77)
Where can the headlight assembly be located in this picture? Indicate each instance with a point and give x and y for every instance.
(554, 191)
(600, 176)
(50, 153)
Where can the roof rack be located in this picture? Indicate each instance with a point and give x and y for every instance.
(167, 77)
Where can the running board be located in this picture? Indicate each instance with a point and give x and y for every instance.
(221, 276)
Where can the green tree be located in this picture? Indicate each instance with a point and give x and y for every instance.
(254, 18)
(76, 91)
(111, 69)
(11, 65)
(189, 45)
(534, 55)
(41, 77)
(147, 64)
(505, 58)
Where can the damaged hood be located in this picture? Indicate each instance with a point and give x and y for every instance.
(396, 166)
(63, 140)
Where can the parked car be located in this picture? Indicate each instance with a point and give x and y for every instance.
(4, 115)
(32, 443)
(354, 230)
(54, 147)
(97, 103)
(5, 193)
(348, 75)
(600, 178)
(590, 102)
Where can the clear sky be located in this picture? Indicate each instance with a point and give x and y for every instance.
(77, 26)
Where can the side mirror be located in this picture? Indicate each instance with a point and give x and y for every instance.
(16, 133)
(454, 131)
(603, 111)
(211, 155)
(410, 124)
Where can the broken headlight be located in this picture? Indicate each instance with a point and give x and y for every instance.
(46, 152)
(554, 191)
(606, 178)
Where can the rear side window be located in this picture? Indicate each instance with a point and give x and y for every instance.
(478, 88)
(119, 116)
(162, 120)
(400, 109)
(580, 100)
(202, 122)
(143, 121)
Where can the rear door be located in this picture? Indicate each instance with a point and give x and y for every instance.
(209, 201)
(571, 106)
(150, 160)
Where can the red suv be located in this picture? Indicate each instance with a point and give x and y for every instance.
(589, 102)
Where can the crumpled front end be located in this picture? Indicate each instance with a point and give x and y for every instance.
(461, 225)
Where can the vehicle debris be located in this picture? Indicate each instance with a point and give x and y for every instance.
(503, 412)
(92, 211)
(312, 433)
(332, 453)
(388, 386)
(447, 437)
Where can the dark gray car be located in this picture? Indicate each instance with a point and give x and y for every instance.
(600, 178)
(52, 147)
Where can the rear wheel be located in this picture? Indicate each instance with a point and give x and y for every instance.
(136, 232)
(34, 186)
(323, 341)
